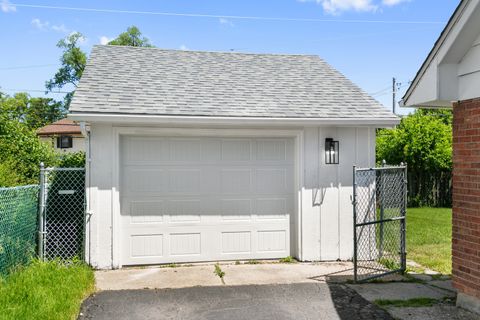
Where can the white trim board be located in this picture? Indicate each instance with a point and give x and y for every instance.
(134, 119)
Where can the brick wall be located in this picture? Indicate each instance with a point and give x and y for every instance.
(466, 197)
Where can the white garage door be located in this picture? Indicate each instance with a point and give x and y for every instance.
(203, 199)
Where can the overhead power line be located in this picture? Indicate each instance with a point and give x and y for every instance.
(218, 16)
(32, 90)
(28, 67)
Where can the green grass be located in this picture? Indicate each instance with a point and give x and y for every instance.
(45, 290)
(415, 302)
(429, 238)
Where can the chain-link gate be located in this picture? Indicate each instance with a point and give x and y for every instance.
(379, 209)
(62, 213)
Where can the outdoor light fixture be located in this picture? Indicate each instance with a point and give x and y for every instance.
(331, 151)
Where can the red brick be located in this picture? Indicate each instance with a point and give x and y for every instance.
(466, 197)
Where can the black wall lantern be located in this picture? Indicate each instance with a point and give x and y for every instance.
(331, 151)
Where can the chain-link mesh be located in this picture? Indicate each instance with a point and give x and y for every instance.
(379, 210)
(64, 213)
(18, 226)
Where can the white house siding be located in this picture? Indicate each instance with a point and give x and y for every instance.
(454, 72)
(326, 204)
(324, 199)
(469, 73)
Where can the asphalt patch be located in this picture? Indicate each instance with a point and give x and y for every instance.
(282, 301)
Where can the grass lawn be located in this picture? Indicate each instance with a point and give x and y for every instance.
(45, 290)
(429, 238)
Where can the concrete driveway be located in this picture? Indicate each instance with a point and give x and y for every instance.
(235, 275)
(275, 301)
(251, 291)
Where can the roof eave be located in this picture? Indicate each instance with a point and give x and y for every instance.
(433, 52)
(239, 121)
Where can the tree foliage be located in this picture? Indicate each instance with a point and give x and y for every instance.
(34, 112)
(423, 140)
(132, 37)
(21, 153)
(72, 160)
(73, 61)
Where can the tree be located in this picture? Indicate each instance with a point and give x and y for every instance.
(423, 140)
(21, 153)
(34, 112)
(73, 61)
(132, 37)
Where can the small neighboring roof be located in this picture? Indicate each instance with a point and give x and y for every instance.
(64, 126)
(152, 81)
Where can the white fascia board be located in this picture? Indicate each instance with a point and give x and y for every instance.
(434, 104)
(228, 121)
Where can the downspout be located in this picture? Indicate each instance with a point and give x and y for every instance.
(88, 213)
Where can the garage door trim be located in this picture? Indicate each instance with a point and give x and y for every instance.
(297, 135)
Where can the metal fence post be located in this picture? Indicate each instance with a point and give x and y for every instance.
(382, 207)
(41, 212)
(403, 244)
(354, 203)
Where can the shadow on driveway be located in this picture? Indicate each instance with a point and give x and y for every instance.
(277, 301)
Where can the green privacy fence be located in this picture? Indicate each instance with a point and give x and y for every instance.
(18, 226)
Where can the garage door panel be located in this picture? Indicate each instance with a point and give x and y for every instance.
(270, 181)
(146, 245)
(150, 180)
(201, 199)
(185, 244)
(185, 150)
(184, 180)
(272, 208)
(268, 150)
(144, 149)
(236, 209)
(236, 181)
(237, 242)
(147, 211)
(236, 150)
(272, 240)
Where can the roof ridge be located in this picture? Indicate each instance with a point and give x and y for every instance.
(210, 51)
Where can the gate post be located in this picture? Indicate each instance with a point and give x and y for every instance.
(41, 212)
(354, 203)
(403, 221)
(382, 207)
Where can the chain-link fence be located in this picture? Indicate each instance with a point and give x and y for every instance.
(62, 210)
(379, 217)
(18, 226)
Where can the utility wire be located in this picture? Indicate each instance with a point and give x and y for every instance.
(217, 16)
(28, 67)
(388, 90)
(32, 90)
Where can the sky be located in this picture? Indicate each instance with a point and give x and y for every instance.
(369, 41)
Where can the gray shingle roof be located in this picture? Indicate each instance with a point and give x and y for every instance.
(132, 80)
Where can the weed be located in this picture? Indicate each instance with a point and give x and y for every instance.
(252, 262)
(219, 272)
(288, 259)
(170, 265)
(237, 262)
(389, 264)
